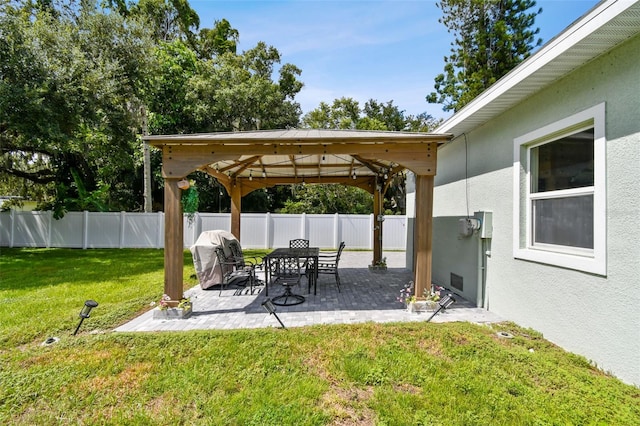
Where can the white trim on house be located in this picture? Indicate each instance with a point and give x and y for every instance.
(593, 261)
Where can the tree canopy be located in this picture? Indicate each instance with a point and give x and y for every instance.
(69, 83)
(491, 38)
(346, 113)
(78, 81)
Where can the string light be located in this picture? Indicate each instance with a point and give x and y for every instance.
(250, 175)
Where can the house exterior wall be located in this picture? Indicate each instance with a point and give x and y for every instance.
(593, 315)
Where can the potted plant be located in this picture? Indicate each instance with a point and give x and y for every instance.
(433, 297)
(406, 296)
(378, 266)
(429, 302)
(173, 309)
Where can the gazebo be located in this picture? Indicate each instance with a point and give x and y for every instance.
(245, 161)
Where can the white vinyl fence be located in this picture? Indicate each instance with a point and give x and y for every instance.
(146, 230)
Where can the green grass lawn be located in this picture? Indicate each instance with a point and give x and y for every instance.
(383, 374)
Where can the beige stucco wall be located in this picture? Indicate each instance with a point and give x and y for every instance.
(595, 316)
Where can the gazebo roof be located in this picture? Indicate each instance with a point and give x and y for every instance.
(269, 157)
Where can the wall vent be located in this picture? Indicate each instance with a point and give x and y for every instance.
(456, 282)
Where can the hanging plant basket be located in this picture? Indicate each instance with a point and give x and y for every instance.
(190, 201)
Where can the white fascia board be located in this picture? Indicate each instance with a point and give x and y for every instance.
(578, 31)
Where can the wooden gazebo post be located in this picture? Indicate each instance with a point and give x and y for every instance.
(377, 225)
(236, 208)
(173, 239)
(424, 164)
(423, 234)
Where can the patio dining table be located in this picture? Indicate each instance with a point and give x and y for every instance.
(308, 253)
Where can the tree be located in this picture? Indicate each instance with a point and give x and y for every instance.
(388, 114)
(68, 81)
(77, 81)
(169, 19)
(237, 92)
(328, 199)
(491, 38)
(422, 122)
(221, 39)
(175, 64)
(344, 113)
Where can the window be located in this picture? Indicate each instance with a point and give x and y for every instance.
(559, 190)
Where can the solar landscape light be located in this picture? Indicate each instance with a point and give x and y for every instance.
(50, 341)
(443, 303)
(85, 312)
(271, 308)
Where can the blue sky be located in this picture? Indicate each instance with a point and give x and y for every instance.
(383, 50)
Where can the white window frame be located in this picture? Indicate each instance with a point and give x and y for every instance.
(587, 260)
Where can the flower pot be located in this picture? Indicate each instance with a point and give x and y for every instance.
(173, 313)
(431, 305)
(422, 306)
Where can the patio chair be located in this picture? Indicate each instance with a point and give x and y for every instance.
(233, 272)
(287, 272)
(243, 262)
(328, 264)
(253, 262)
(299, 243)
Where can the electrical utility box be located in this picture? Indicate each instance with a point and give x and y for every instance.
(486, 223)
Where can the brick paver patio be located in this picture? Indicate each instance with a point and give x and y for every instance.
(365, 296)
